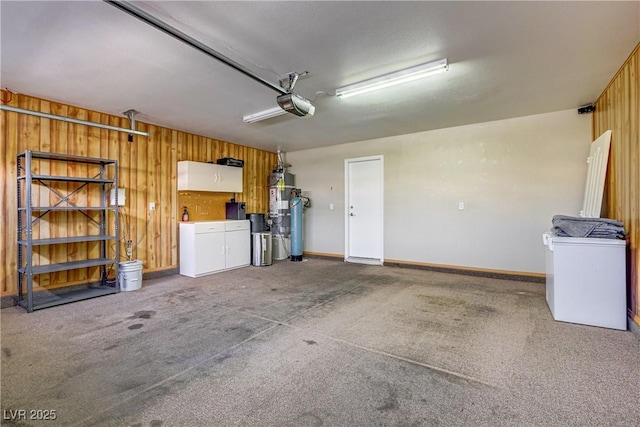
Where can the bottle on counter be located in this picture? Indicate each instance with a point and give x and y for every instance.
(185, 214)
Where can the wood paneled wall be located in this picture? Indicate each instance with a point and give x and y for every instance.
(147, 172)
(618, 109)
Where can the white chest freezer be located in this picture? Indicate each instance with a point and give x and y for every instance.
(586, 280)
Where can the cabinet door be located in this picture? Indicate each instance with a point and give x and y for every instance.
(228, 179)
(238, 248)
(209, 253)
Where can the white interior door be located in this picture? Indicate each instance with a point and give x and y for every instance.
(364, 197)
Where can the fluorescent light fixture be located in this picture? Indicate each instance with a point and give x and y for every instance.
(263, 115)
(392, 79)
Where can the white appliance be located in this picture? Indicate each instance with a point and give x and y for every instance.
(586, 280)
(586, 277)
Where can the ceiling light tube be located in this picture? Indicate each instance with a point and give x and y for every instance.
(392, 79)
(263, 115)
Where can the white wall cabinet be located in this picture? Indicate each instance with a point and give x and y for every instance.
(199, 176)
(213, 246)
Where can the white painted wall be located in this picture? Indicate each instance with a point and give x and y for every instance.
(513, 176)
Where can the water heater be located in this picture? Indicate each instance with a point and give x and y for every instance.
(280, 186)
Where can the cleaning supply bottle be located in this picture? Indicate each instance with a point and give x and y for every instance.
(185, 214)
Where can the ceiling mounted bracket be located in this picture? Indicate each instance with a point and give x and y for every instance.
(289, 81)
(131, 115)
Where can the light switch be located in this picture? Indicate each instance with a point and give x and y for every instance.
(330, 206)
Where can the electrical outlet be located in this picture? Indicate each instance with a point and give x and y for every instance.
(461, 206)
(152, 206)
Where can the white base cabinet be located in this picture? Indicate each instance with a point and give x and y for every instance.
(213, 246)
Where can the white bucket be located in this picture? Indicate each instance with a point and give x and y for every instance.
(130, 275)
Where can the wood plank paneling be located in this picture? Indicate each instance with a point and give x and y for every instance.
(58, 220)
(93, 150)
(45, 168)
(147, 172)
(77, 224)
(8, 254)
(618, 109)
(152, 249)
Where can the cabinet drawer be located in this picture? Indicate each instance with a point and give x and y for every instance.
(208, 227)
(236, 225)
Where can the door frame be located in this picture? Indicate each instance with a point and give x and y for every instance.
(347, 196)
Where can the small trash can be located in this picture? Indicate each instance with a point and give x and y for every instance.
(130, 275)
(261, 249)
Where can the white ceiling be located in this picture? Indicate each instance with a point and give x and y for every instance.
(507, 59)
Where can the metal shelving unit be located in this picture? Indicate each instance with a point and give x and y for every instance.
(102, 176)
